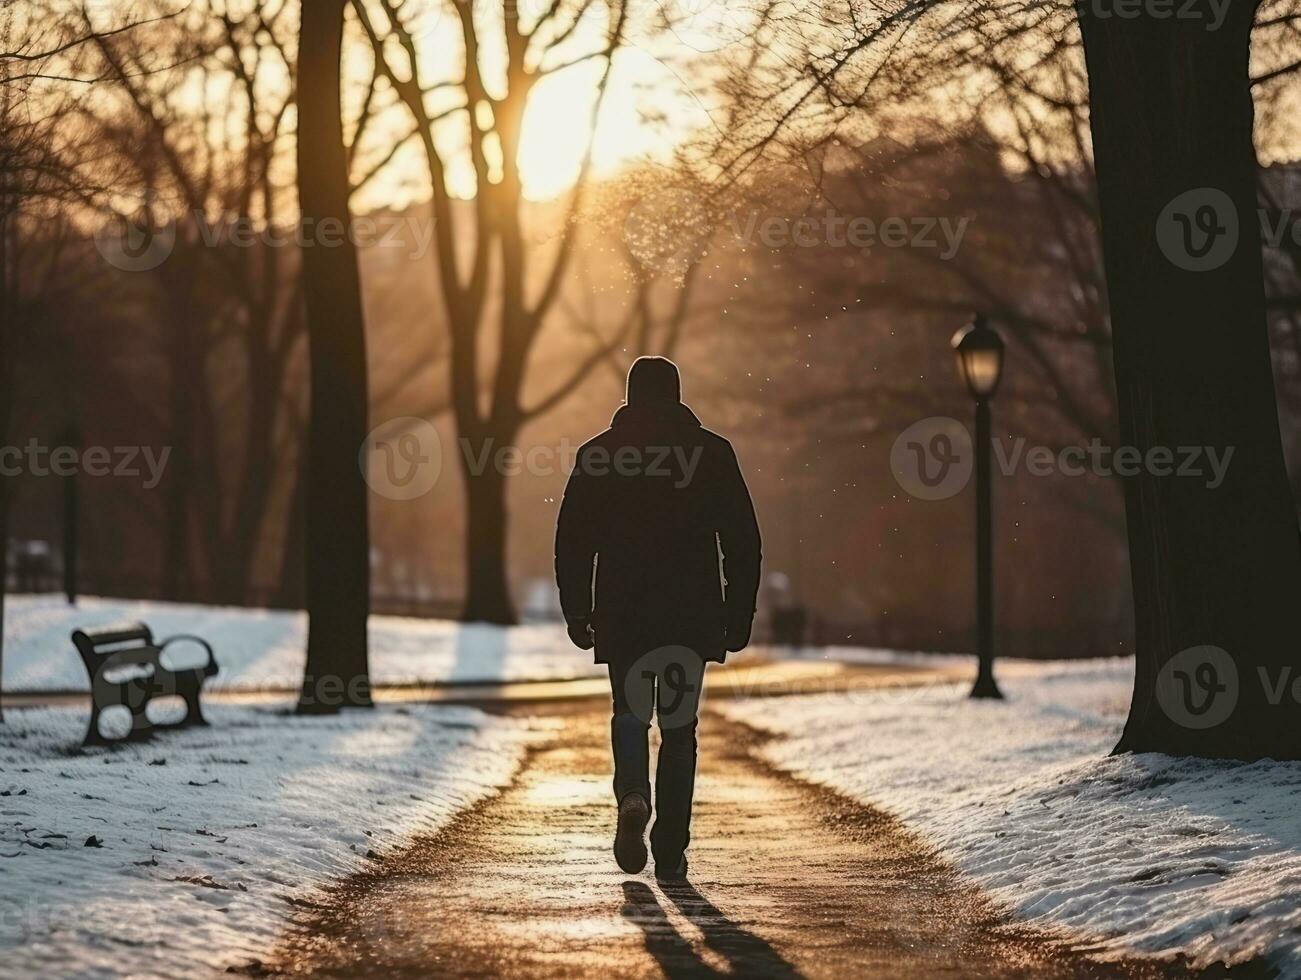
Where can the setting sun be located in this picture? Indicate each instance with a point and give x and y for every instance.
(651, 100)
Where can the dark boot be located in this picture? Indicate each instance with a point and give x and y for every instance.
(630, 837)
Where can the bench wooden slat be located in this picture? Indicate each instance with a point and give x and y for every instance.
(127, 633)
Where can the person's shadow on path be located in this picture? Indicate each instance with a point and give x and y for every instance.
(746, 953)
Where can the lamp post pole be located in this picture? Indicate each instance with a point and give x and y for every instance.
(979, 349)
(985, 686)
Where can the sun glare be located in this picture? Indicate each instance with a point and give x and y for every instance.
(558, 124)
(648, 108)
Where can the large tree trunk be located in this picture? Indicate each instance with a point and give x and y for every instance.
(487, 596)
(6, 401)
(1211, 567)
(338, 539)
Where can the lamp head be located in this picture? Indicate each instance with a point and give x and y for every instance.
(979, 350)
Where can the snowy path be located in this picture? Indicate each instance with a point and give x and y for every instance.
(190, 853)
(787, 880)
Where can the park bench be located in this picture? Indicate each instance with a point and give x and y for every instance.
(126, 669)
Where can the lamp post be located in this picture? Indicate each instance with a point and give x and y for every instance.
(979, 350)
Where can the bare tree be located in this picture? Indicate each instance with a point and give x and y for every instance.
(486, 398)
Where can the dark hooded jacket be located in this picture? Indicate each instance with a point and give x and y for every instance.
(658, 506)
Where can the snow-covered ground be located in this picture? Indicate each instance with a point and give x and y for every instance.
(265, 648)
(210, 837)
(183, 856)
(1139, 852)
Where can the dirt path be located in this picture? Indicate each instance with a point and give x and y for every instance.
(787, 880)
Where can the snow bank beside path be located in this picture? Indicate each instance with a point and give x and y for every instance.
(1140, 853)
(265, 647)
(204, 842)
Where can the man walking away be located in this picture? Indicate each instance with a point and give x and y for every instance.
(657, 506)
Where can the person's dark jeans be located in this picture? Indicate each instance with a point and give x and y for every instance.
(667, 683)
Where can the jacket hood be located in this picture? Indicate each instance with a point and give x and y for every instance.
(654, 394)
(654, 381)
